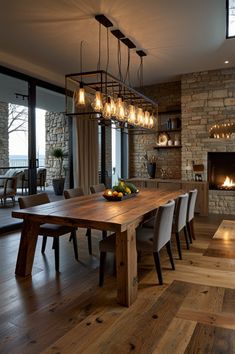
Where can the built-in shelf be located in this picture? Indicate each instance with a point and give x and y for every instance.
(169, 131)
(168, 147)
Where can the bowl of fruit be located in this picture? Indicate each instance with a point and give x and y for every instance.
(123, 190)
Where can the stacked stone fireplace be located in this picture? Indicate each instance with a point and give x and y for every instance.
(207, 98)
(221, 171)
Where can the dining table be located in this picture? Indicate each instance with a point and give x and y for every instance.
(95, 212)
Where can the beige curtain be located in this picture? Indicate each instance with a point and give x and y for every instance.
(85, 152)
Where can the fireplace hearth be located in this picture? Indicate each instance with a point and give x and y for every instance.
(221, 170)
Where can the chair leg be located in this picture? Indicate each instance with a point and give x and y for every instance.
(57, 253)
(88, 234)
(104, 234)
(186, 237)
(44, 242)
(191, 225)
(177, 235)
(168, 248)
(156, 257)
(73, 235)
(189, 232)
(102, 267)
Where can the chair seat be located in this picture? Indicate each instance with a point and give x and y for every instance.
(53, 230)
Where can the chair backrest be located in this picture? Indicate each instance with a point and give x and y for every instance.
(181, 212)
(97, 188)
(41, 176)
(10, 186)
(191, 204)
(33, 200)
(163, 225)
(73, 192)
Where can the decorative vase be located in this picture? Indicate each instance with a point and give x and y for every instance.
(58, 185)
(151, 168)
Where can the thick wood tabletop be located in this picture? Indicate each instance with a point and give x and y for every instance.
(93, 211)
(96, 212)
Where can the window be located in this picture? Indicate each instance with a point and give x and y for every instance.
(230, 18)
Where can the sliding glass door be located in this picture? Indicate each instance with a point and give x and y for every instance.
(13, 126)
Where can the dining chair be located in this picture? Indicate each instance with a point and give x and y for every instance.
(78, 192)
(97, 188)
(154, 239)
(190, 213)
(179, 221)
(147, 239)
(8, 190)
(49, 230)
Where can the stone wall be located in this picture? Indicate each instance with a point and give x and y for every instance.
(208, 97)
(168, 96)
(57, 136)
(4, 139)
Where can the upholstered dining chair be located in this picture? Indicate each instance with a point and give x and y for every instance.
(190, 213)
(97, 188)
(147, 239)
(8, 190)
(179, 221)
(78, 192)
(154, 239)
(49, 230)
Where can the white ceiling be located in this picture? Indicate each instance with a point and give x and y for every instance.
(42, 38)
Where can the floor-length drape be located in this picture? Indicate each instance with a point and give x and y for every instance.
(85, 152)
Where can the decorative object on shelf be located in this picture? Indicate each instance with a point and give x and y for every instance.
(102, 96)
(170, 142)
(222, 130)
(150, 164)
(163, 139)
(198, 170)
(151, 168)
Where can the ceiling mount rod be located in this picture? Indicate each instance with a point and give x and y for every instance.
(141, 53)
(118, 34)
(104, 21)
(128, 43)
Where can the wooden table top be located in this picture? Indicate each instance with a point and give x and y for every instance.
(96, 212)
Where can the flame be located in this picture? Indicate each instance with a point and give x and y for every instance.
(228, 182)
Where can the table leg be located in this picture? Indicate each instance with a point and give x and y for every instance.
(28, 241)
(126, 263)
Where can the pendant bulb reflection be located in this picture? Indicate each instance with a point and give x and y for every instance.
(131, 114)
(97, 104)
(107, 111)
(81, 96)
(120, 109)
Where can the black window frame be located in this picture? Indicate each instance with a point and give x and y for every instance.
(227, 21)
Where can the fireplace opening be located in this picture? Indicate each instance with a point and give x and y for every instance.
(221, 170)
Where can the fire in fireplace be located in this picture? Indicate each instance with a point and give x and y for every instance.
(221, 170)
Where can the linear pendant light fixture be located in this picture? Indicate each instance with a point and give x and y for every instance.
(100, 95)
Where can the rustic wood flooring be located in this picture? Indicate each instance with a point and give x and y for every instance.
(193, 312)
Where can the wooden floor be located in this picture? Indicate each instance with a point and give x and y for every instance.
(193, 312)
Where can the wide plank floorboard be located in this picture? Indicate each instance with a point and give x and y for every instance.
(193, 312)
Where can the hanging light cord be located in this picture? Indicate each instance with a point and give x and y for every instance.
(99, 48)
(119, 61)
(140, 72)
(128, 67)
(107, 64)
(81, 49)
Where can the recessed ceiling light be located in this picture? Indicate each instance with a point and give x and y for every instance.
(226, 62)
